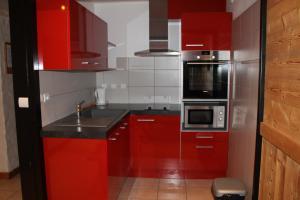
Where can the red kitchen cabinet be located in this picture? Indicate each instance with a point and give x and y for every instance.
(90, 169)
(75, 168)
(70, 37)
(204, 155)
(206, 31)
(178, 7)
(155, 146)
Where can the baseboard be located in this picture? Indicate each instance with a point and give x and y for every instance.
(9, 175)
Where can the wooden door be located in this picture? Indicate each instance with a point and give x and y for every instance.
(280, 166)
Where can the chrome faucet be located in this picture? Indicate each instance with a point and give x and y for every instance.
(79, 110)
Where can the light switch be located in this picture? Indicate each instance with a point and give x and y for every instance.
(23, 102)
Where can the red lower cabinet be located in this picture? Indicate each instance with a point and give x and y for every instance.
(76, 168)
(91, 169)
(204, 155)
(155, 146)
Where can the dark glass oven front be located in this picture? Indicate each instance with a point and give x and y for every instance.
(205, 80)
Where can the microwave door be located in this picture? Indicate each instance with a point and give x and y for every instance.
(199, 117)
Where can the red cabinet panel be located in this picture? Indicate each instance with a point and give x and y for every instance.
(178, 7)
(204, 155)
(155, 146)
(70, 37)
(206, 31)
(75, 168)
(90, 169)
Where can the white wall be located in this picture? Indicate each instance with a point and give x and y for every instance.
(237, 7)
(65, 90)
(244, 102)
(8, 139)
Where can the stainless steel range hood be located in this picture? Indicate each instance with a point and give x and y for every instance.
(158, 31)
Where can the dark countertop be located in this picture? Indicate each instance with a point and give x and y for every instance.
(54, 131)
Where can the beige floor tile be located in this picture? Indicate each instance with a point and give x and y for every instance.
(172, 194)
(171, 184)
(10, 184)
(199, 194)
(145, 183)
(144, 193)
(204, 183)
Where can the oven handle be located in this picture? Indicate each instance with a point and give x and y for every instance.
(204, 137)
(207, 63)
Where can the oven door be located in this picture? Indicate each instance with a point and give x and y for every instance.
(205, 80)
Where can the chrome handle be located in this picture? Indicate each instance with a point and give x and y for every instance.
(146, 120)
(204, 147)
(85, 63)
(96, 63)
(112, 139)
(194, 45)
(117, 134)
(204, 137)
(123, 127)
(206, 63)
(125, 124)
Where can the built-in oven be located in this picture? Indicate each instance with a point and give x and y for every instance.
(206, 74)
(205, 116)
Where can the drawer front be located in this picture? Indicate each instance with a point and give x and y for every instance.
(204, 155)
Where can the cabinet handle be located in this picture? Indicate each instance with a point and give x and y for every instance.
(146, 120)
(125, 124)
(123, 127)
(85, 63)
(204, 147)
(194, 45)
(112, 139)
(204, 137)
(117, 134)
(96, 63)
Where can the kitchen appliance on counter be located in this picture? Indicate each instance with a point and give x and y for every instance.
(205, 116)
(100, 96)
(206, 75)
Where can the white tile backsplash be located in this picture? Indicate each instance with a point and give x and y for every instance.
(167, 95)
(141, 95)
(141, 63)
(146, 80)
(167, 78)
(141, 78)
(167, 63)
(66, 90)
(117, 95)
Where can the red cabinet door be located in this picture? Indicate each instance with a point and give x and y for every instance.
(204, 155)
(75, 168)
(70, 37)
(178, 7)
(168, 146)
(155, 146)
(206, 31)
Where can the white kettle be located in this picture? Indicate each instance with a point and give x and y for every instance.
(100, 96)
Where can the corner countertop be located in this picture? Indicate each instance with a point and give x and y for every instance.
(54, 131)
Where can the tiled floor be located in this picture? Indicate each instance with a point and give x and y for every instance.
(10, 189)
(136, 189)
(166, 189)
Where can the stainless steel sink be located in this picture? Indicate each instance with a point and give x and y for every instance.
(93, 118)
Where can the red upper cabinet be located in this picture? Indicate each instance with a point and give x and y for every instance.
(178, 7)
(70, 37)
(206, 31)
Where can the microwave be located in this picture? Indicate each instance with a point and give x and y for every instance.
(206, 75)
(205, 116)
